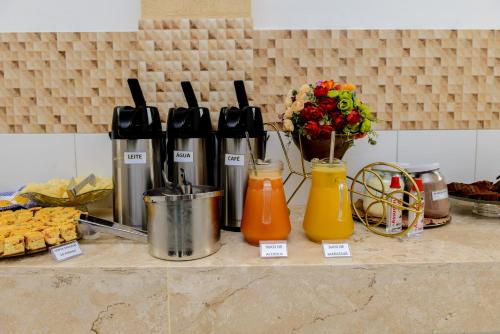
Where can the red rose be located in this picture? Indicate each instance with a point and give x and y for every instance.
(327, 104)
(338, 121)
(325, 131)
(354, 117)
(320, 91)
(312, 113)
(312, 128)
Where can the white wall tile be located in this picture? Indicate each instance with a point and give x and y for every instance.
(381, 14)
(363, 153)
(93, 154)
(69, 15)
(35, 158)
(488, 155)
(455, 150)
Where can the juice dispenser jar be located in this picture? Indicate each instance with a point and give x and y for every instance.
(265, 214)
(328, 213)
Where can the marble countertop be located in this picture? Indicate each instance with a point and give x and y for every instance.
(467, 239)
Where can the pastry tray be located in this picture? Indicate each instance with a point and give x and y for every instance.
(474, 200)
(37, 251)
(79, 200)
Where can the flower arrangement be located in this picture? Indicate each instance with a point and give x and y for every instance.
(315, 110)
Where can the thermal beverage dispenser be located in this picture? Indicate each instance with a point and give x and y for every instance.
(137, 140)
(235, 125)
(191, 148)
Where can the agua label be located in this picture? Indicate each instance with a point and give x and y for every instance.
(66, 251)
(134, 158)
(277, 248)
(183, 156)
(235, 159)
(336, 250)
(439, 194)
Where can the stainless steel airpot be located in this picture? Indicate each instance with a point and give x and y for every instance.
(182, 221)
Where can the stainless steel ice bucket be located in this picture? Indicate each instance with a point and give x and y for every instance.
(183, 226)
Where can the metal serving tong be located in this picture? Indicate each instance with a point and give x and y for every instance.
(74, 188)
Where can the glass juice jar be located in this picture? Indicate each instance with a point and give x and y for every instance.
(265, 214)
(328, 213)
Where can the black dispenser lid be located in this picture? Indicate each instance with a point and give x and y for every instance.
(191, 122)
(236, 122)
(139, 122)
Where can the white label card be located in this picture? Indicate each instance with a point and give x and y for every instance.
(66, 251)
(278, 248)
(336, 250)
(134, 158)
(439, 194)
(235, 160)
(183, 156)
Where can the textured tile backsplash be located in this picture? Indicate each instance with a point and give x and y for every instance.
(413, 79)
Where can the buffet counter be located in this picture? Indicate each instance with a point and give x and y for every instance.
(446, 281)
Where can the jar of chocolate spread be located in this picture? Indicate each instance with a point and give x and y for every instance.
(437, 203)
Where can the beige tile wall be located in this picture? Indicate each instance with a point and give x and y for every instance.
(413, 79)
(161, 9)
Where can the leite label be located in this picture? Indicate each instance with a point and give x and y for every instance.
(66, 251)
(277, 248)
(235, 160)
(336, 250)
(134, 158)
(183, 156)
(439, 194)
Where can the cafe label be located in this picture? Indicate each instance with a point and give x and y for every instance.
(336, 250)
(278, 248)
(134, 158)
(183, 156)
(235, 159)
(66, 251)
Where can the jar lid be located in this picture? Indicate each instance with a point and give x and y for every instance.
(420, 168)
(326, 163)
(266, 165)
(384, 168)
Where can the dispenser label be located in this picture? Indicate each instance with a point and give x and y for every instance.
(66, 251)
(336, 250)
(183, 156)
(278, 248)
(235, 159)
(134, 158)
(439, 194)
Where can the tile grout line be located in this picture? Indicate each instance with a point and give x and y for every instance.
(75, 155)
(475, 155)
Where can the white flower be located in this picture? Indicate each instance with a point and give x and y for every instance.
(297, 106)
(288, 112)
(305, 88)
(288, 125)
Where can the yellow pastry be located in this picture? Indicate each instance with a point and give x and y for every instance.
(34, 240)
(2, 241)
(68, 232)
(13, 245)
(51, 235)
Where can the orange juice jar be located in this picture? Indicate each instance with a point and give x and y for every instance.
(265, 214)
(328, 212)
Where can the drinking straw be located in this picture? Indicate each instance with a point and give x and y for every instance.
(332, 146)
(251, 153)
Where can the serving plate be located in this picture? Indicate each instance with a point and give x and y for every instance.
(79, 200)
(481, 207)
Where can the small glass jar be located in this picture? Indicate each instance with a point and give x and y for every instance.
(437, 203)
(385, 173)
